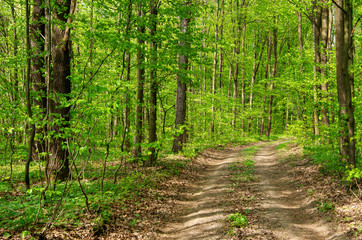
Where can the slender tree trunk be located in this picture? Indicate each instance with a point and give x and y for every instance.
(183, 62)
(28, 98)
(316, 69)
(127, 142)
(344, 49)
(325, 39)
(266, 76)
(37, 68)
(271, 86)
(154, 84)
(243, 77)
(221, 56)
(300, 38)
(257, 60)
(137, 150)
(214, 72)
(237, 43)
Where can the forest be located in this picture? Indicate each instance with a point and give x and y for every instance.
(107, 104)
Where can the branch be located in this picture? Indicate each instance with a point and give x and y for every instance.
(301, 10)
(355, 25)
(339, 7)
(69, 21)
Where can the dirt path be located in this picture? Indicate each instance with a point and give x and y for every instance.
(206, 204)
(284, 210)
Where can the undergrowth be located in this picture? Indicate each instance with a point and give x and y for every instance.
(328, 158)
(24, 211)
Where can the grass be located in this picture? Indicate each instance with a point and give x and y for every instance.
(244, 171)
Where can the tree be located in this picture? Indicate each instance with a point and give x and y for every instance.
(182, 78)
(154, 83)
(60, 88)
(137, 150)
(344, 49)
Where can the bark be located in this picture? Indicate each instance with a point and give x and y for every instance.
(137, 150)
(28, 99)
(37, 68)
(154, 84)
(127, 141)
(221, 57)
(243, 77)
(257, 60)
(316, 69)
(183, 61)
(237, 42)
(325, 43)
(214, 67)
(266, 76)
(59, 91)
(344, 48)
(300, 38)
(271, 86)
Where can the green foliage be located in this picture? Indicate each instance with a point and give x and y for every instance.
(173, 166)
(325, 206)
(353, 175)
(282, 145)
(244, 171)
(237, 220)
(327, 157)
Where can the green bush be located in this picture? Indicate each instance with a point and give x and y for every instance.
(237, 220)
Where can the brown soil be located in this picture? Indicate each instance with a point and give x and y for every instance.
(207, 204)
(286, 210)
(282, 203)
(276, 205)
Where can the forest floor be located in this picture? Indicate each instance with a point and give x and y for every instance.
(285, 197)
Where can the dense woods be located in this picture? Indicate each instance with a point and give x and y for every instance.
(98, 89)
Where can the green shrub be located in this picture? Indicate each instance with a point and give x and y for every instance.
(237, 220)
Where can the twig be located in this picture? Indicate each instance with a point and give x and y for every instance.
(355, 25)
(339, 7)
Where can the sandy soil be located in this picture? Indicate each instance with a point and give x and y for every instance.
(287, 212)
(284, 211)
(206, 206)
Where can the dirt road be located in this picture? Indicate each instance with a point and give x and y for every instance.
(283, 210)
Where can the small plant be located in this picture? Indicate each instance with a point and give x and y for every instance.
(358, 231)
(237, 220)
(231, 232)
(325, 206)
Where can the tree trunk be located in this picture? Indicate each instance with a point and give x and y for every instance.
(182, 78)
(60, 89)
(237, 43)
(127, 120)
(271, 85)
(214, 67)
(316, 69)
(325, 42)
(137, 150)
(344, 48)
(154, 84)
(266, 76)
(28, 98)
(37, 68)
